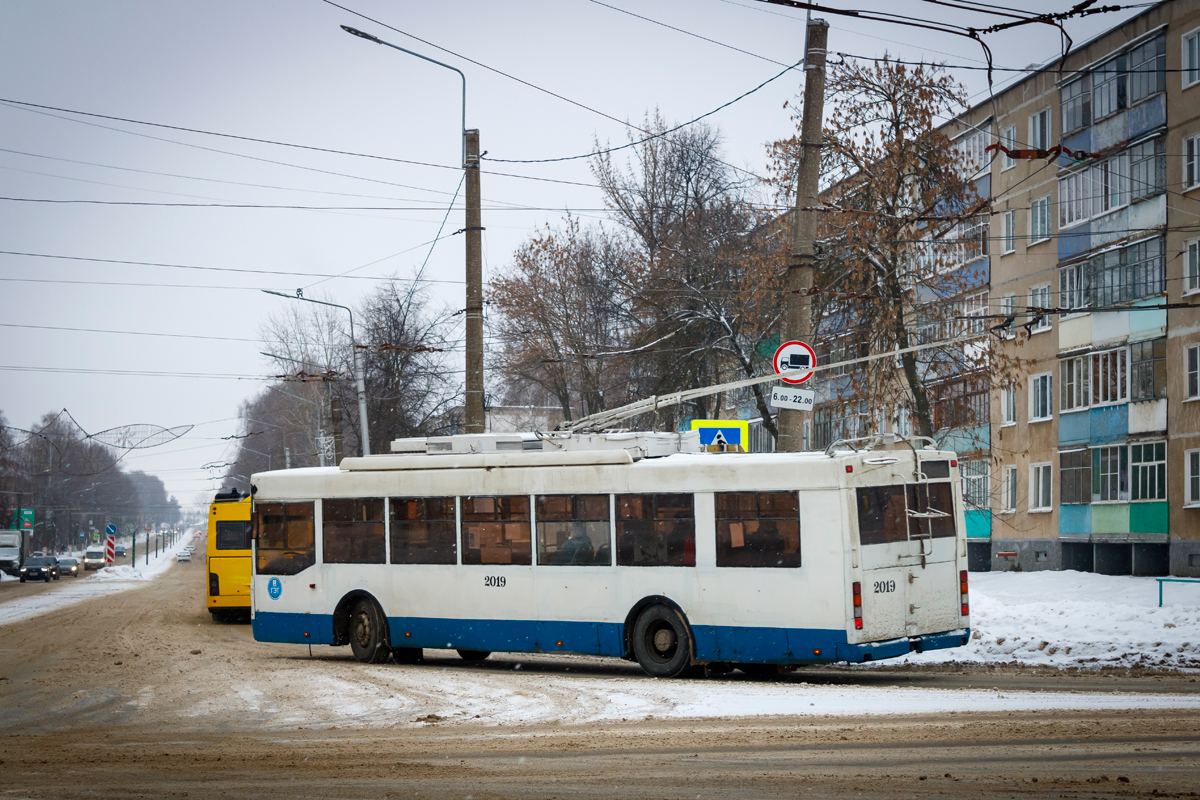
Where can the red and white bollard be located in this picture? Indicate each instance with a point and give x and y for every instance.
(110, 550)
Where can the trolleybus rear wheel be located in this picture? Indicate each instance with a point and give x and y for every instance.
(661, 643)
(474, 655)
(368, 633)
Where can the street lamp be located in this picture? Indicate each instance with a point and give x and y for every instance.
(473, 230)
(358, 370)
(268, 457)
(287, 454)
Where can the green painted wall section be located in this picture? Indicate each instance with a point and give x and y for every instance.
(1110, 518)
(1149, 517)
(979, 524)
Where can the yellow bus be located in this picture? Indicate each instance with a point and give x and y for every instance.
(229, 556)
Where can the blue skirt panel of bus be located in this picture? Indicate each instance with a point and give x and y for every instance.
(713, 642)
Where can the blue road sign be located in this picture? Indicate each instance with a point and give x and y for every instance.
(110, 530)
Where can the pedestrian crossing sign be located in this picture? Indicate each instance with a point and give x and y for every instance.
(723, 435)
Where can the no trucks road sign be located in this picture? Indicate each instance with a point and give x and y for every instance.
(792, 356)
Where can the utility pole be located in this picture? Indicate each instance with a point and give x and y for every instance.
(797, 317)
(474, 310)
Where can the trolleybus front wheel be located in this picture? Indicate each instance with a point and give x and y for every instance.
(661, 643)
(368, 633)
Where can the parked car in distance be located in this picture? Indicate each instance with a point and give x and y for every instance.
(191, 548)
(94, 558)
(39, 568)
(120, 551)
(68, 566)
(184, 556)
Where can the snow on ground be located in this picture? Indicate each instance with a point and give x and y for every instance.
(1077, 619)
(108, 580)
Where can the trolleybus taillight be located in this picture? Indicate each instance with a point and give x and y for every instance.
(962, 591)
(858, 606)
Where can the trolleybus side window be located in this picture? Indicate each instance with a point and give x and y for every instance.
(423, 530)
(656, 530)
(882, 515)
(758, 529)
(352, 531)
(286, 541)
(933, 499)
(573, 529)
(496, 530)
(233, 535)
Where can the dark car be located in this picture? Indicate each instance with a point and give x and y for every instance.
(119, 552)
(39, 567)
(68, 566)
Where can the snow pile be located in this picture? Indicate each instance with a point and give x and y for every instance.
(1077, 619)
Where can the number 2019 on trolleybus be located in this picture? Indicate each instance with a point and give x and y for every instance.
(615, 545)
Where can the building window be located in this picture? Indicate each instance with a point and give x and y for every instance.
(1074, 287)
(1191, 460)
(1149, 168)
(1039, 130)
(1040, 398)
(1039, 220)
(1147, 69)
(1148, 369)
(1149, 465)
(1008, 138)
(1191, 58)
(1008, 405)
(1073, 383)
(1191, 162)
(1193, 372)
(1110, 180)
(974, 311)
(1110, 474)
(1008, 234)
(1008, 307)
(1075, 477)
(1108, 92)
(1109, 377)
(1008, 490)
(1191, 266)
(960, 403)
(1076, 104)
(1040, 477)
(1039, 298)
(975, 479)
(1074, 199)
(1130, 273)
(971, 150)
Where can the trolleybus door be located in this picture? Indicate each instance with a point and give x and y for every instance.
(906, 533)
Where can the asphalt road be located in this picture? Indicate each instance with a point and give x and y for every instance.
(121, 697)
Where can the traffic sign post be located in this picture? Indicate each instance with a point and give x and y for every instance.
(793, 356)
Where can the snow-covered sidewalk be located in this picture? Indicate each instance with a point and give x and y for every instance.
(1077, 619)
(106, 581)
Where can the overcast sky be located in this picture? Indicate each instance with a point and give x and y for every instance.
(284, 71)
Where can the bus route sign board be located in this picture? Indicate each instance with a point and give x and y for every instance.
(792, 356)
(787, 397)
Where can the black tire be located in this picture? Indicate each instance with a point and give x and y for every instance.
(408, 655)
(368, 633)
(22, 580)
(56, 577)
(474, 656)
(47, 578)
(662, 643)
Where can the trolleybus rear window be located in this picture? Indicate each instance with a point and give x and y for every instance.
(423, 530)
(352, 531)
(286, 544)
(233, 535)
(496, 530)
(573, 529)
(758, 529)
(656, 530)
(901, 512)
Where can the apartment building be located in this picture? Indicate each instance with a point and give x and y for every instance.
(1093, 460)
